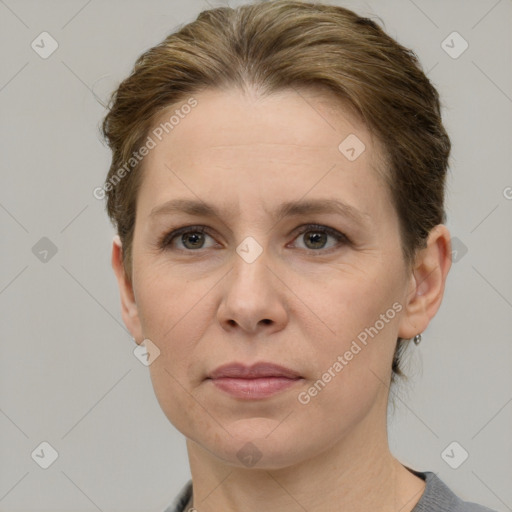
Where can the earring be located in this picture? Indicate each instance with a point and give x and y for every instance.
(417, 339)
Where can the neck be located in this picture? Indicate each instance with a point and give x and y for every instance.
(356, 474)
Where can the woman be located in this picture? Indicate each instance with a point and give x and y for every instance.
(277, 185)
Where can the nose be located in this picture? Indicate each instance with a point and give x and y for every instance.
(254, 298)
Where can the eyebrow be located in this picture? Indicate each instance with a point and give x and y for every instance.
(290, 208)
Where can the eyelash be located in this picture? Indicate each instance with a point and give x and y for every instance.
(165, 241)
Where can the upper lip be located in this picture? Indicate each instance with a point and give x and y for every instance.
(255, 371)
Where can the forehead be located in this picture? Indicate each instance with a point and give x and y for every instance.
(257, 149)
(308, 119)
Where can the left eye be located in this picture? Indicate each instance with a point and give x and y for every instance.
(316, 237)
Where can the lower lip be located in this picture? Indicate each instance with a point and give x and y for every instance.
(254, 388)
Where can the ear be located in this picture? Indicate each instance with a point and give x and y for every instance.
(427, 283)
(129, 309)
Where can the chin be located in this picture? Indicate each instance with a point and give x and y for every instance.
(259, 443)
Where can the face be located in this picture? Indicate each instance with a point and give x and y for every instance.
(317, 288)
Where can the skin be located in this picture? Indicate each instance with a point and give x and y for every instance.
(298, 304)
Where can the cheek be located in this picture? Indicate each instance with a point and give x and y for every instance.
(352, 374)
(360, 316)
(174, 315)
(177, 399)
(362, 303)
(166, 302)
(176, 329)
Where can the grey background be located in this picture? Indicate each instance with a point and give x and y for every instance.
(68, 375)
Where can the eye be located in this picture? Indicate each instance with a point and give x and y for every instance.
(316, 236)
(192, 238)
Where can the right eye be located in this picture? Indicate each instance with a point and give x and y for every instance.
(192, 238)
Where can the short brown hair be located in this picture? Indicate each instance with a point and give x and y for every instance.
(275, 45)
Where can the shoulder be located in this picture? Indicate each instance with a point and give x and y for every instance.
(181, 500)
(437, 497)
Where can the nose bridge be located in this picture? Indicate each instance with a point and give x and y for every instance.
(250, 298)
(250, 263)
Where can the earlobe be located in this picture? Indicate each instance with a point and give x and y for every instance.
(129, 309)
(427, 283)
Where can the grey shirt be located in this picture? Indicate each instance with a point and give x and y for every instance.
(437, 497)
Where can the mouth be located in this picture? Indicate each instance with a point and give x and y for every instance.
(258, 381)
(254, 389)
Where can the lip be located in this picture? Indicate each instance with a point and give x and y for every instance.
(258, 381)
(255, 371)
